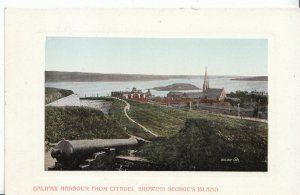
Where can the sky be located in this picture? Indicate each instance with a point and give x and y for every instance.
(159, 56)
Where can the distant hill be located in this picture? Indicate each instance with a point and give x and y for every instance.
(56, 76)
(256, 78)
(176, 87)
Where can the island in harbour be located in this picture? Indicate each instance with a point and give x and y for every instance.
(176, 87)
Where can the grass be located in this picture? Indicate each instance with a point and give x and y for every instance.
(53, 94)
(202, 144)
(79, 123)
(167, 121)
(196, 140)
(190, 140)
(117, 113)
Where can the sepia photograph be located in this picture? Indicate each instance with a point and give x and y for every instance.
(156, 104)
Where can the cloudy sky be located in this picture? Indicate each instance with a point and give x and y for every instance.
(164, 56)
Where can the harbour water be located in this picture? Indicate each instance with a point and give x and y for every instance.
(104, 88)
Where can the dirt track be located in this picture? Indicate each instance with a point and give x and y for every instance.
(127, 108)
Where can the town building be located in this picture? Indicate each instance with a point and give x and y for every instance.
(214, 94)
(175, 95)
(207, 94)
(133, 94)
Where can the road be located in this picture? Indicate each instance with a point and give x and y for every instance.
(245, 118)
(224, 115)
(238, 117)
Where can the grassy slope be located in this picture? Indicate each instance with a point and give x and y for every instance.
(168, 121)
(165, 121)
(199, 140)
(117, 113)
(53, 94)
(197, 145)
(202, 143)
(79, 123)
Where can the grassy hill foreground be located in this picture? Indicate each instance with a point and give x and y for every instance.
(206, 145)
(117, 113)
(79, 123)
(167, 121)
(189, 140)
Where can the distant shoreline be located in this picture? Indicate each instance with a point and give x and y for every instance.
(257, 78)
(56, 76)
(60, 76)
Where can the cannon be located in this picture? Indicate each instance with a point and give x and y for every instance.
(72, 154)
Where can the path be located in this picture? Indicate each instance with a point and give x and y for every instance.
(126, 108)
(225, 115)
(238, 117)
(245, 118)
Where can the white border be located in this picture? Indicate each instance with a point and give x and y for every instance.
(117, 4)
(25, 39)
(152, 4)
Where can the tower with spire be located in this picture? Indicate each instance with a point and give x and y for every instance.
(206, 82)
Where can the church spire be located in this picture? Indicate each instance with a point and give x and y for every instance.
(205, 83)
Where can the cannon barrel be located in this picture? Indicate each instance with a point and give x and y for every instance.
(71, 153)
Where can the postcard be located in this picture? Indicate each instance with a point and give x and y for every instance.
(151, 111)
(151, 101)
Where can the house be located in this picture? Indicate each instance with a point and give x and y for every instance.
(133, 94)
(207, 94)
(193, 95)
(212, 94)
(174, 95)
